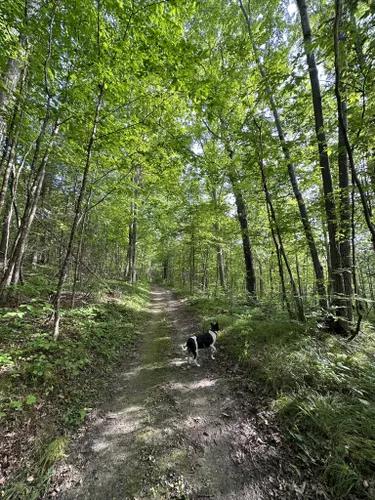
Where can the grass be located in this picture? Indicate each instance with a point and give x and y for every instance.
(47, 387)
(321, 386)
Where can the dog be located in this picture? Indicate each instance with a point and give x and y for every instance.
(197, 342)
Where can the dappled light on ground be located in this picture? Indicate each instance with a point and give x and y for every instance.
(168, 430)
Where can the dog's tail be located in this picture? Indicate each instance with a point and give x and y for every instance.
(184, 347)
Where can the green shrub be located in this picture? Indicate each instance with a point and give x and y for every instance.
(321, 387)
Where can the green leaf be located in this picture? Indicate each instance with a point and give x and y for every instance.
(15, 404)
(30, 400)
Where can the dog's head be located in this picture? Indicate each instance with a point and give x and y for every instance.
(214, 327)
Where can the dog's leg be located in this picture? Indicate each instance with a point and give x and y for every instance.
(196, 358)
(195, 352)
(213, 349)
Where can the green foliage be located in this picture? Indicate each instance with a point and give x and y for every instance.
(322, 388)
(64, 377)
(92, 337)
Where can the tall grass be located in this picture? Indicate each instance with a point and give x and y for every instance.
(321, 386)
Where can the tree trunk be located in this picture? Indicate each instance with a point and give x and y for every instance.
(13, 270)
(285, 300)
(166, 270)
(219, 249)
(134, 251)
(4, 244)
(261, 281)
(318, 268)
(131, 259)
(329, 201)
(78, 259)
(280, 246)
(13, 72)
(343, 127)
(77, 215)
(10, 79)
(299, 280)
(346, 309)
(251, 288)
(192, 263)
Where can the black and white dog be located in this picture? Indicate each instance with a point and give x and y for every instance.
(197, 342)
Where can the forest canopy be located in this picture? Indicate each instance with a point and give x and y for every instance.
(220, 146)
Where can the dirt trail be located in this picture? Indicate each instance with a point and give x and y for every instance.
(166, 430)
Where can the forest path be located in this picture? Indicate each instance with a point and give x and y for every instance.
(168, 430)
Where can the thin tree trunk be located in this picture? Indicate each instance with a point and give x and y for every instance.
(219, 249)
(166, 270)
(261, 281)
(299, 281)
(12, 272)
(220, 266)
(130, 244)
(250, 282)
(10, 79)
(271, 278)
(77, 215)
(15, 66)
(318, 268)
(349, 149)
(192, 263)
(134, 252)
(329, 201)
(78, 258)
(285, 300)
(10, 145)
(131, 259)
(274, 226)
(4, 244)
(346, 309)
(251, 288)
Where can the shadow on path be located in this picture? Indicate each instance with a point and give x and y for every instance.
(167, 430)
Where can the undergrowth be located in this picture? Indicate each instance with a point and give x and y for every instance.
(48, 387)
(322, 387)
